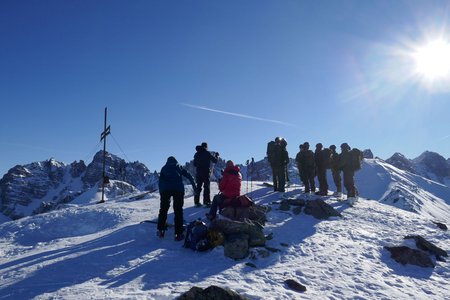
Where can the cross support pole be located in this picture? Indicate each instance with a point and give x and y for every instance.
(103, 135)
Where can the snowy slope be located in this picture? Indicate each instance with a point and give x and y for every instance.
(99, 251)
(381, 181)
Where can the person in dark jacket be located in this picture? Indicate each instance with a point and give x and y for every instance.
(229, 187)
(279, 161)
(171, 185)
(321, 170)
(335, 171)
(306, 166)
(345, 164)
(202, 163)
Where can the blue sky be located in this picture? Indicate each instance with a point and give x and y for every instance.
(233, 73)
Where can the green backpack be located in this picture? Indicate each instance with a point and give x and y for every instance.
(357, 157)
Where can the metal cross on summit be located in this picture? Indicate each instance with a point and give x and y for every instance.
(103, 135)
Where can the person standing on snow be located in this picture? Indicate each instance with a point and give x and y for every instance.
(229, 187)
(202, 163)
(321, 170)
(171, 185)
(307, 167)
(346, 165)
(278, 159)
(335, 171)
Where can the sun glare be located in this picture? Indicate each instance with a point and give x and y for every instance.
(433, 60)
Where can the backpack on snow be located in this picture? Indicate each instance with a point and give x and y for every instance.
(356, 157)
(326, 157)
(196, 236)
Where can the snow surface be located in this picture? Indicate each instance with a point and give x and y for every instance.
(103, 251)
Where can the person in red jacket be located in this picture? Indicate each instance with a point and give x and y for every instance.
(229, 187)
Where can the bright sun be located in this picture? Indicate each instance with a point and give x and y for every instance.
(433, 60)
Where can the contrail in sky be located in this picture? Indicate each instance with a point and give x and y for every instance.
(237, 114)
(445, 137)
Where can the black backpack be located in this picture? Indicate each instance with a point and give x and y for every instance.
(356, 157)
(326, 157)
(196, 236)
(270, 151)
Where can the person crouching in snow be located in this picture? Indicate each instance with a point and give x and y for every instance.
(229, 187)
(171, 185)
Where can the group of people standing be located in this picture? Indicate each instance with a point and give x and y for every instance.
(314, 164)
(310, 164)
(171, 185)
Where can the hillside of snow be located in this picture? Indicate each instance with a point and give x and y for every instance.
(103, 251)
(381, 181)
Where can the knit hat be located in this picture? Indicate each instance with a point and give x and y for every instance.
(205, 145)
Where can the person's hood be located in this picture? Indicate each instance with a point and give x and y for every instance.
(171, 161)
(232, 168)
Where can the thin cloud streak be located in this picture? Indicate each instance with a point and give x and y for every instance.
(444, 138)
(238, 115)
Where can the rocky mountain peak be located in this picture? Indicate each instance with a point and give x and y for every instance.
(431, 164)
(400, 161)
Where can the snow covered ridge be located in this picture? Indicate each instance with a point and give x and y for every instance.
(429, 164)
(103, 251)
(42, 186)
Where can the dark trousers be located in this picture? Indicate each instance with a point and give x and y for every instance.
(308, 180)
(279, 178)
(349, 183)
(216, 203)
(202, 180)
(337, 179)
(322, 177)
(178, 202)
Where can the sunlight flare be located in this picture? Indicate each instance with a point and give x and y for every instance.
(433, 60)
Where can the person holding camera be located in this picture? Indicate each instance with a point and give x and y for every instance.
(202, 163)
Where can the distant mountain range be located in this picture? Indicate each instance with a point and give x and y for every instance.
(430, 165)
(42, 186)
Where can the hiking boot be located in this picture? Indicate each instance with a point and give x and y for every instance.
(337, 194)
(208, 204)
(179, 237)
(160, 234)
(352, 200)
(197, 205)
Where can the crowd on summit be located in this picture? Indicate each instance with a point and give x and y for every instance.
(310, 165)
(315, 164)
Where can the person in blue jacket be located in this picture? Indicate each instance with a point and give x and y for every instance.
(171, 185)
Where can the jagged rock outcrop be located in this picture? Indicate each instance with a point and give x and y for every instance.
(432, 165)
(47, 184)
(77, 168)
(425, 245)
(319, 209)
(211, 292)
(22, 184)
(400, 161)
(367, 153)
(429, 164)
(405, 255)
